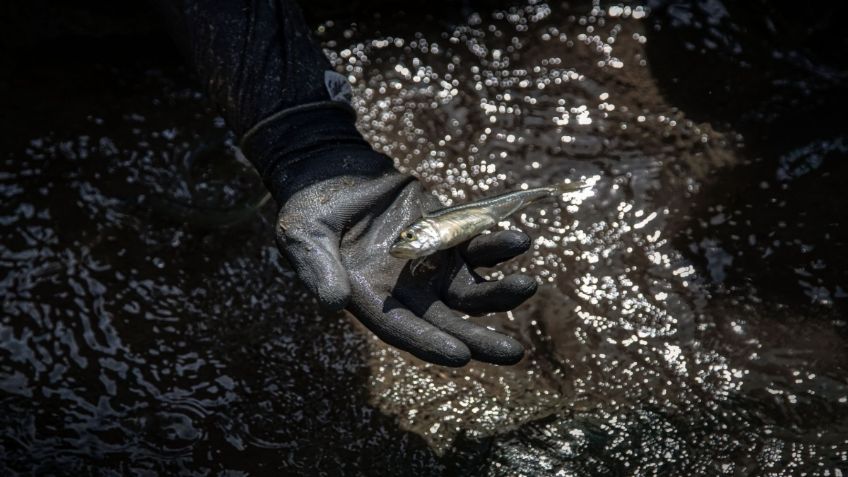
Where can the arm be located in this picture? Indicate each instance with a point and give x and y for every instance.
(341, 203)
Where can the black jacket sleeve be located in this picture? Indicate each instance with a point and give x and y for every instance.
(276, 88)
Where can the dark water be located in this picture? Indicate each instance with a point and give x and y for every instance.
(692, 315)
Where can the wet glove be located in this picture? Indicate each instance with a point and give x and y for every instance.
(341, 203)
(342, 209)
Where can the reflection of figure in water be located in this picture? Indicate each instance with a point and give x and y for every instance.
(341, 203)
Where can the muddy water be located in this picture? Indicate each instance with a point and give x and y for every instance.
(691, 318)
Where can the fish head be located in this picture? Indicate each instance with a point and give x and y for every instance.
(418, 240)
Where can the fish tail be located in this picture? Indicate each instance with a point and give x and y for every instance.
(567, 187)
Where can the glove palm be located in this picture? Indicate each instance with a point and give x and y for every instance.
(337, 233)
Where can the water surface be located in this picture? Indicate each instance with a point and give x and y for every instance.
(691, 318)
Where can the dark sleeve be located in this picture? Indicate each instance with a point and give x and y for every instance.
(260, 65)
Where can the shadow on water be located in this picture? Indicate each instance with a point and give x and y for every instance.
(769, 72)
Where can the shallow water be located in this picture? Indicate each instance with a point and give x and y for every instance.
(691, 318)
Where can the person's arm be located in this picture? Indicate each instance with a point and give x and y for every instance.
(258, 62)
(341, 203)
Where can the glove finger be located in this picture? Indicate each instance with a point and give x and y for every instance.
(490, 249)
(314, 255)
(393, 323)
(485, 345)
(471, 294)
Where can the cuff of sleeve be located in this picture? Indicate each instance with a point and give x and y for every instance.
(310, 143)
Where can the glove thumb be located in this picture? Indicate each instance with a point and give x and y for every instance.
(313, 251)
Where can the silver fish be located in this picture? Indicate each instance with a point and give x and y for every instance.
(452, 226)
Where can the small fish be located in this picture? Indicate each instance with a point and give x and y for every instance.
(449, 227)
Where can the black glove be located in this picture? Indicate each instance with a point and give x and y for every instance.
(341, 203)
(336, 225)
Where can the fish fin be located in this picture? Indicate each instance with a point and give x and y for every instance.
(415, 263)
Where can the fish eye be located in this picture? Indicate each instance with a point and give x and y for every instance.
(408, 235)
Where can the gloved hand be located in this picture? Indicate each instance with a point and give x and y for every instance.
(336, 225)
(341, 203)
